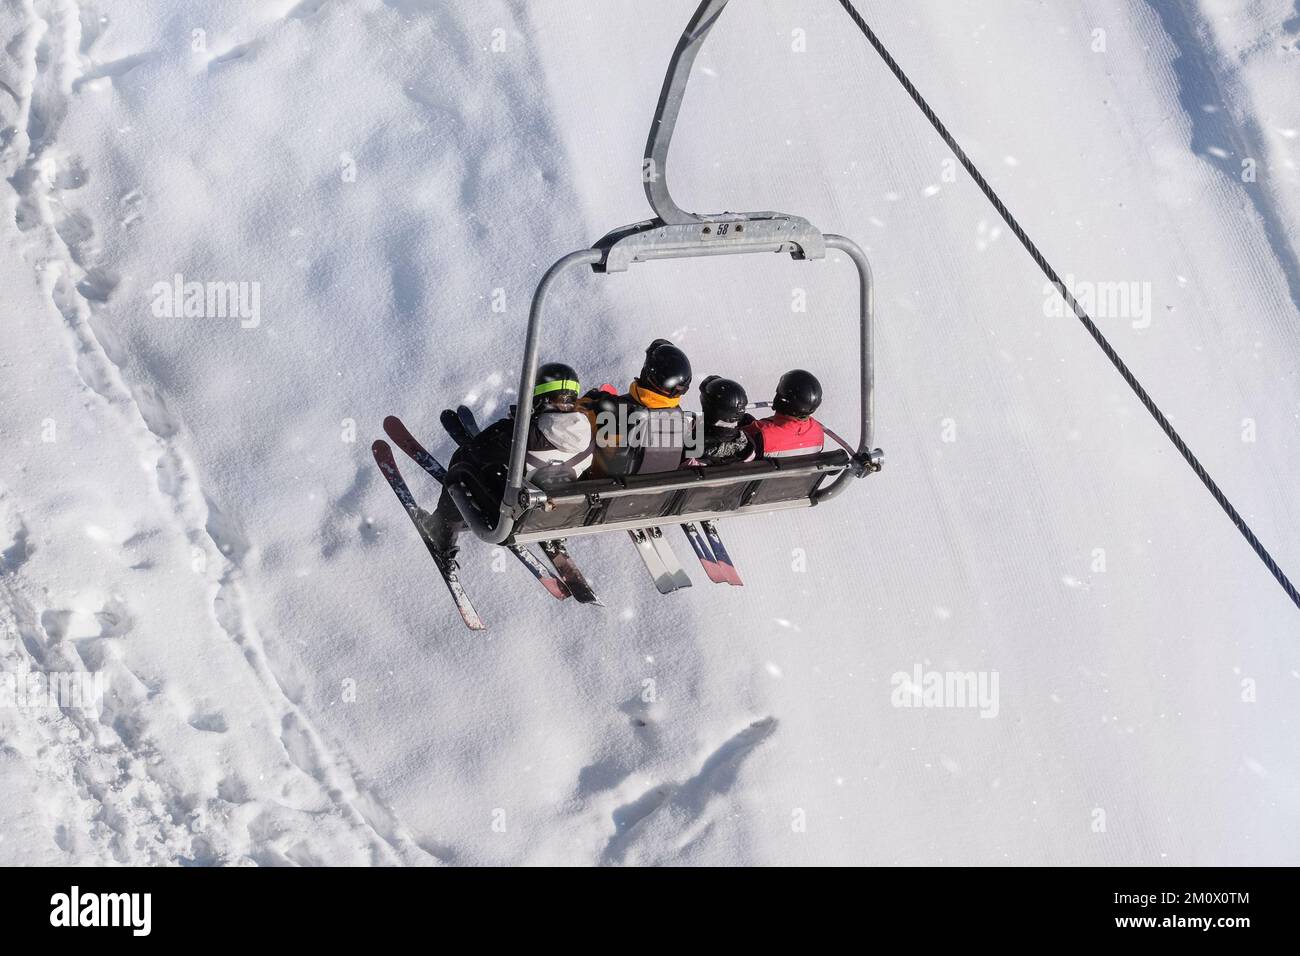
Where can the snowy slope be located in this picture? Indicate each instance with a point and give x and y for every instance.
(286, 679)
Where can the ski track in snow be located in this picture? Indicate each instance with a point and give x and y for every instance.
(100, 757)
(67, 248)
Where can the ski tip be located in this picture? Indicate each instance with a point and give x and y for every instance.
(395, 430)
(379, 448)
(715, 572)
(556, 587)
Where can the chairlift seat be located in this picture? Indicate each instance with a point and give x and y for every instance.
(594, 505)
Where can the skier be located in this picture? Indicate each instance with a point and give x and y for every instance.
(792, 430)
(559, 447)
(644, 430)
(723, 443)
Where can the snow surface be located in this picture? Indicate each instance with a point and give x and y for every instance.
(189, 506)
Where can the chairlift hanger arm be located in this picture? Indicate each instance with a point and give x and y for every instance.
(655, 172)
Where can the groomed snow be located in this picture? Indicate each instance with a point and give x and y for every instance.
(188, 505)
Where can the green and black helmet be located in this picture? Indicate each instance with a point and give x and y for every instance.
(556, 384)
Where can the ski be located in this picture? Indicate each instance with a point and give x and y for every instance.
(463, 427)
(467, 420)
(398, 432)
(720, 552)
(447, 567)
(712, 567)
(459, 433)
(558, 587)
(663, 578)
(669, 557)
(404, 440)
(569, 572)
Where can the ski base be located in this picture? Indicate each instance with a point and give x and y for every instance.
(447, 568)
(556, 586)
(669, 558)
(666, 582)
(569, 573)
(712, 567)
(720, 553)
(455, 427)
(404, 440)
(467, 421)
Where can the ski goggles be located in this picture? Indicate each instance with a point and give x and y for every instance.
(559, 385)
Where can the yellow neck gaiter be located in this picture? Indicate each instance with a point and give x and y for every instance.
(650, 398)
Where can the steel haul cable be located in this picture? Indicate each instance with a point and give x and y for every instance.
(1193, 462)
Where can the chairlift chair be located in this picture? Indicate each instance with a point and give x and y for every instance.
(529, 512)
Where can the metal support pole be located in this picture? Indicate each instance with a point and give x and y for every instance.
(866, 339)
(527, 374)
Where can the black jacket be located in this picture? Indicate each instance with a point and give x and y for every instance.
(489, 453)
(726, 446)
(616, 452)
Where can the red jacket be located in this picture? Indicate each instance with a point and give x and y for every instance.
(784, 436)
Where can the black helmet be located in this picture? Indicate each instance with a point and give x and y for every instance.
(556, 384)
(724, 401)
(798, 394)
(667, 370)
